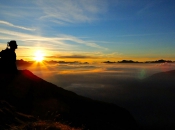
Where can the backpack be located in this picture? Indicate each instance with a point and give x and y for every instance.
(8, 61)
(4, 54)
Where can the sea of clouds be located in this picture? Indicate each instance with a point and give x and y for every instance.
(117, 83)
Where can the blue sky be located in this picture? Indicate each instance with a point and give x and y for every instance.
(94, 29)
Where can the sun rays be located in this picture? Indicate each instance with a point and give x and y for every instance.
(39, 56)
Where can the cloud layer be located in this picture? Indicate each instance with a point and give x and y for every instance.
(120, 84)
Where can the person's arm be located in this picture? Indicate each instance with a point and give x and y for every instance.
(0, 53)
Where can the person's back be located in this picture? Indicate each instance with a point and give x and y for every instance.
(8, 59)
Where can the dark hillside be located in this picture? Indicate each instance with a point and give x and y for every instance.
(32, 95)
(157, 101)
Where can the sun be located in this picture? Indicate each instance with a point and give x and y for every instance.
(39, 56)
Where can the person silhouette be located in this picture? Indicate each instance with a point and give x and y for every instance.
(8, 58)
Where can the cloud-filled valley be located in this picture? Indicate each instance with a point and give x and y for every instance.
(149, 99)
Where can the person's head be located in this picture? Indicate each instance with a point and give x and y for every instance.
(13, 44)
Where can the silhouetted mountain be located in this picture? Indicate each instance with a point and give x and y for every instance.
(128, 61)
(157, 100)
(108, 62)
(34, 96)
(160, 61)
(23, 63)
(72, 62)
(161, 79)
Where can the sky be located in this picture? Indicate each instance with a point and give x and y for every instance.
(93, 30)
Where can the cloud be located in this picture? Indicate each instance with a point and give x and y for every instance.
(75, 56)
(72, 11)
(12, 25)
(80, 41)
(147, 7)
(59, 42)
(72, 57)
(141, 35)
(149, 100)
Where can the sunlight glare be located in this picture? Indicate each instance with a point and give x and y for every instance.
(39, 56)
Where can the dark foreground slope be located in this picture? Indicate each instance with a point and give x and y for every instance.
(32, 95)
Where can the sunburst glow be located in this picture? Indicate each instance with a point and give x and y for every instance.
(39, 56)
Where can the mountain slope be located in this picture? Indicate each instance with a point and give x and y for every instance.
(32, 95)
